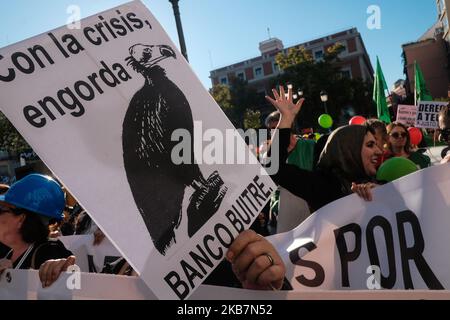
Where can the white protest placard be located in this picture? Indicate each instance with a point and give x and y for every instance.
(427, 114)
(115, 111)
(406, 114)
(397, 241)
(90, 257)
(25, 285)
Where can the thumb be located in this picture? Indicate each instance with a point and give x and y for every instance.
(70, 261)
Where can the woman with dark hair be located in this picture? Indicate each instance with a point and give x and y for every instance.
(26, 211)
(380, 135)
(348, 162)
(399, 145)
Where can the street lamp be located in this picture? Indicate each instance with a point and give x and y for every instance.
(324, 98)
(176, 12)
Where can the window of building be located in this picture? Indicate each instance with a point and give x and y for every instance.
(276, 67)
(318, 55)
(346, 74)
(258, 72)
(445, 25)
(240, 75)
(441, 7)
(224, 80)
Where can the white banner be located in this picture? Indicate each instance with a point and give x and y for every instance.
(115, 111)
(25, 285)
(90, 257)
(404, 231)
(427, 114)
(342, 245)
(406, 114)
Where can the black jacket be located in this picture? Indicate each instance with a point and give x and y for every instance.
(317, 188)
(42, 252)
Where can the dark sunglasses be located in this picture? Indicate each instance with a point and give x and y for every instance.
(397, 135)
(4, 209)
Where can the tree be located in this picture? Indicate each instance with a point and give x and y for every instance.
(10, 139)
(221, 93)
(303, 72)
(236, 99)
(252, 119)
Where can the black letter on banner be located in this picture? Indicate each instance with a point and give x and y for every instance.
(175, 285)
(237, 224)
(383, 223)
(74, 104)
(296, 259)
(344, 254)
(190, 272)
(15, 59)
(415, 252)
(11, 74)
(208, 238)
(219, 226)
(86, 34)
(200, 260)
(34, 116)
(34, 52)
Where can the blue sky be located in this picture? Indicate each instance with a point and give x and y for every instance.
(220, 32)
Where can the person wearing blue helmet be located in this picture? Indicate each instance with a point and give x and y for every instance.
(26, 210)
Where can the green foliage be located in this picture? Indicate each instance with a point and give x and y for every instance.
(252, 119)
(236, 99)
(312, 77)
(10, 139)
(221, 93)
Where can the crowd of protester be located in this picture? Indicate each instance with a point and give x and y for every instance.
(341, 163)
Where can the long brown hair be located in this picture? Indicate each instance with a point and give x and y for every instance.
(391, 127)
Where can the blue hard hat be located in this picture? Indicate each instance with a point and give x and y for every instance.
(37, 193)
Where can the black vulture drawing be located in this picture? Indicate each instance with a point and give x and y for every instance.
(157, 184)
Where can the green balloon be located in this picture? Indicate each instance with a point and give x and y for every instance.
(325, 121)
(395, 168)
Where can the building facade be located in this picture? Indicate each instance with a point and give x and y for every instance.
(432, 53)
(442, 6)
(259, 71)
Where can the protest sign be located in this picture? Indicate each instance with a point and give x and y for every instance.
(90, 257)
(427, 114)
(115, 111)
(406, 114)
(399, 237)
(397, 241)
(25, 284)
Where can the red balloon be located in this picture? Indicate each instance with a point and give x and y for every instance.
(357, 120)
(415, 135)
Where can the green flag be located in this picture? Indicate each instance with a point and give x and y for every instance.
(420, 91)
(379, 96)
